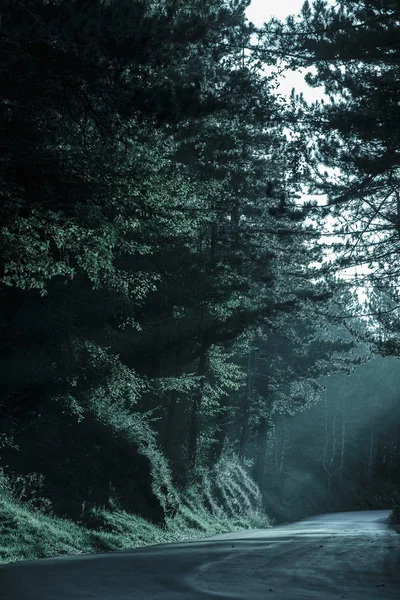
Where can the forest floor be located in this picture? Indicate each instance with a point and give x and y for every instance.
(353, 556)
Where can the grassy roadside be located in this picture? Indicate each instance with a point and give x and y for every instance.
(27, 533)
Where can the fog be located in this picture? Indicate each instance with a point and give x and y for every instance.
(343, 452)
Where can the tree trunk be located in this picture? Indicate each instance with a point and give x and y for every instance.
(325, 462)
(262, 444)
(343, 436)
(221, 430)
(246, 408)
(370, 459)
(173, 400)
(196, 406)
(283, 452)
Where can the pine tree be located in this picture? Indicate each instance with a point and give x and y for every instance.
(353, 50)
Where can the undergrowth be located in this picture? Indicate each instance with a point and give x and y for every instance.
(217, 501)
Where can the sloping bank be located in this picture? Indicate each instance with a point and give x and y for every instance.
(224, 499)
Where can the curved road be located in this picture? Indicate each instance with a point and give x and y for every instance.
(354, 556)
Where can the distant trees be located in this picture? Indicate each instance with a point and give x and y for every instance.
(285, 364)
(366, 426)
(342, 452)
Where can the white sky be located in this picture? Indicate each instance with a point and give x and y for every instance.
(261, 11)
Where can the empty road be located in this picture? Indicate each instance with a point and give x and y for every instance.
(352, 556)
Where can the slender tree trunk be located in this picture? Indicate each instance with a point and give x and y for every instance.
(391, 462)
(325, 463)
(283, 453)
(262, 444)
(370, 460)
(196, 406)
(221, 430)
(343, 435)
(173, 400)
(334, 438)
(246, 408)
(155, 366)
(275, 457)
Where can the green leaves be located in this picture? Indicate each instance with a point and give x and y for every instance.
(150, 191)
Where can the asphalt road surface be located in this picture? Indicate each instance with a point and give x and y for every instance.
(353, 555)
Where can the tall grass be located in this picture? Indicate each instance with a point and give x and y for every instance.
(220, 500)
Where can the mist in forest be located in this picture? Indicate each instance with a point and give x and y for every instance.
(343, 452)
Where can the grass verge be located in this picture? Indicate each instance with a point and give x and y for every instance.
(221, 501)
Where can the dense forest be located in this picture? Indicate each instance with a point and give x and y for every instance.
(198, 277)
